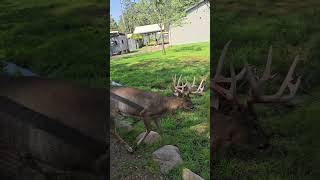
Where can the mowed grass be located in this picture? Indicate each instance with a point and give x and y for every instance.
(56, 39)
(292, 28)
(189, 131)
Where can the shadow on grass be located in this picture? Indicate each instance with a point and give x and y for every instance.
(61, 40)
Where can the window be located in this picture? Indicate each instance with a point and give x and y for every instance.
(114, 43)
(122, 41)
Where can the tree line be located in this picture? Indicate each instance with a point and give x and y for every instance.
(145, 12)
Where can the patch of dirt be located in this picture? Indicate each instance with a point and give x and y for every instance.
(144, 64)
(196, 62)
(125, 165)
(200, 128)
(155, 48)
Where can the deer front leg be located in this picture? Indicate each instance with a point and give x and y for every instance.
(115, 135)
(147, 124)
(157, 122)
(143, 112)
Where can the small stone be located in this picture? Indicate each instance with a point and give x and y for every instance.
(151, 138)
(167, 157)
(187, 174)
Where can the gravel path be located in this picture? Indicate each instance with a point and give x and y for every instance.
(125, 166)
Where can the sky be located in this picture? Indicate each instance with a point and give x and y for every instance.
(115, 9)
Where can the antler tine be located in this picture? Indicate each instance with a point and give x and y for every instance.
(221, 60)
(218, 76)
(179, 88)
(267, 73)
(233, 87)
(176, 88)
(256, 84)
(174, 79)
(277, 97)
(288, 79)
(178, 84)
(226, 93)
(200, 88)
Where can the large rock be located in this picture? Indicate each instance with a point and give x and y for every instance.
(125, 125)
(115, 84)
(13, 69)
(151, 138)
(187, 174)
(168, 157)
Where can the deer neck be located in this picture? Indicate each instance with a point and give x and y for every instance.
(172, 103)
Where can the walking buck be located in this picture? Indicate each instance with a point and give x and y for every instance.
(234, 119)
(153, 105)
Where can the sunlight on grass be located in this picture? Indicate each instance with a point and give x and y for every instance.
(153, 72)
(56, 39)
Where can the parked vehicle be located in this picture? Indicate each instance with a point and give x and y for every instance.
(118, 43)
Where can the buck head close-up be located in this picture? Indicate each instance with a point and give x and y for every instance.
(184, 90)
(235, 120)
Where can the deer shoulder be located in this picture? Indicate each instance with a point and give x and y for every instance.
(152, 103)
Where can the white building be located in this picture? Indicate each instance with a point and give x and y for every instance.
(195, 26)
(149, 32)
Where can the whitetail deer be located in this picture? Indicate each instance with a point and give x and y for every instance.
(154, 105)
(234, 119)
(80, 108)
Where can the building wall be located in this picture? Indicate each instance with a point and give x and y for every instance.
(134, 44)
(195, 28)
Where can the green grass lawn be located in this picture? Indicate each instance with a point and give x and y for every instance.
(291, 27)
(189, 131)
(57, 39)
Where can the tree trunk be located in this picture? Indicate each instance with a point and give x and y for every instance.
(162, 41)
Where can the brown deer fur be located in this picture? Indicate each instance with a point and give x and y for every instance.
(154, 106)
(81, 108)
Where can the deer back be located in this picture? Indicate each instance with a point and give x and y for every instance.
(154, 103)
